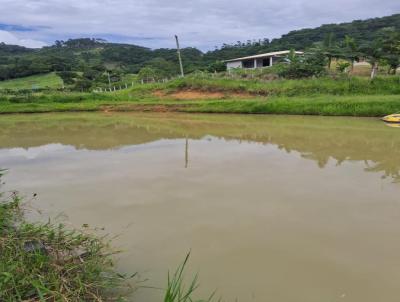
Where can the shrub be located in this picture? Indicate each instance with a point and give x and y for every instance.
(311, 64)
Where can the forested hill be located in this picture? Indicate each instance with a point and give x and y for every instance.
(87, 55)
(363, 31)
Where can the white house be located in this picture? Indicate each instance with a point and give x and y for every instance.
(259, 61)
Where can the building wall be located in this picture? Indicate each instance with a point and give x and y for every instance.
(236, 64)
(255, 63)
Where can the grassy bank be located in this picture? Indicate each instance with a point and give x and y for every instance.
(294, 88)
(375, 105)
(317, 105)
(47, 262)
(323, 96)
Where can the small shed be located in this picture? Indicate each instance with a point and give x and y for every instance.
(259, 61)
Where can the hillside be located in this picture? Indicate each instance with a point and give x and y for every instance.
(49, 80)
(363, 31)
(97, 55)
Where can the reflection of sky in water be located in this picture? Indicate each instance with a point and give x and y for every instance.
(315, 138)
(36, 152)
(267, 210)
(389, 166)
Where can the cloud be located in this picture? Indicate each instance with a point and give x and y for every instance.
(15, 27)
(199, 23)
(9, 38)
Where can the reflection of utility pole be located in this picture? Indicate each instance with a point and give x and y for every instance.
(179, 55)
(186, 152)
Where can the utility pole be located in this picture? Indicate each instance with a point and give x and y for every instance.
(109, 80)
(179, 55)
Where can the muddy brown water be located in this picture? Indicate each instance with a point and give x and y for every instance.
(273, 208)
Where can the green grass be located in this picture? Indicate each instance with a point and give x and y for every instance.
(49, 80)
(294, 88)
(176, 290)
(318, 105)
(47, 262)
(321, 96)
(373, 105)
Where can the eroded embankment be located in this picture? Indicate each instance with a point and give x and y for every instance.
(197, 94)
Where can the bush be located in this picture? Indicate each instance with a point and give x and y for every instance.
(217, 66)
(309, 65)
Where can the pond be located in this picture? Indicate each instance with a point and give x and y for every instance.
(272, 208)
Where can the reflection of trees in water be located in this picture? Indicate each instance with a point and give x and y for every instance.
(389, 167)
(391, 170)
(376, 147)
(317, 139)
(320, 161)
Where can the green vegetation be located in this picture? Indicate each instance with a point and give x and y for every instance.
(361, 31)
(47, 262)
(322, 105)
(351, 96)
(293, 88)
(49, 80)
(323, 81)
(176, 291)
(85, 64)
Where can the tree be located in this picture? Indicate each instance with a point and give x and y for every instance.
(91, 74)
(68, 77)
(373, 52)
(311, 64)
(163, 67)
(350, 50)
(391, 48)
(342, 66)
(217, 66)
(329, 48)
(147, 74)
(82, 84)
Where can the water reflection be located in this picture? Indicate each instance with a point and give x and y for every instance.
(186, 152)
(316, 138)
(289, 209)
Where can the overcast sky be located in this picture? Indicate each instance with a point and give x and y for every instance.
(199, 23)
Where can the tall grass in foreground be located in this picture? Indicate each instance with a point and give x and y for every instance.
(292, 88)
(176, 290)
(47, 262)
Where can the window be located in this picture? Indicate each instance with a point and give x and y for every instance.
(248, 64)
(266, 62)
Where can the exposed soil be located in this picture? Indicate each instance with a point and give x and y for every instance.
(198, 95)
(142, 108)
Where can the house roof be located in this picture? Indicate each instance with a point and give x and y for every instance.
(264, 55)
